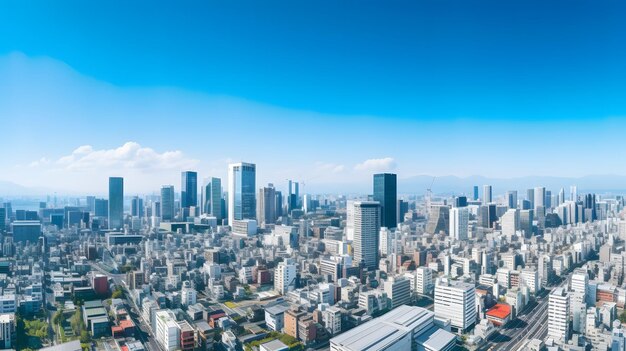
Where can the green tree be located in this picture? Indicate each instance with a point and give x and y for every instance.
(622, 317)
(58, 316)
(77, 322)
(84, 337)
(117, 293)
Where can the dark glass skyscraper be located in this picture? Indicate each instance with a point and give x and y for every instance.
(116, 202)
(189, 189)
(386, 193)
(167, 203)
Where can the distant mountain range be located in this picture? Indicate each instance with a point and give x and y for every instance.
(12, 189)
(464, 185)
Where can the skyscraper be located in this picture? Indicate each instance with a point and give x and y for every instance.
(456, 301)
(558, 315)
(573, 193)
(386, 193)
(475, 193)
(510, 222)
(294, 196)
(459, 220)
(136, 207)
(241, 191)
(530, 196)
(487, 194)
(116, 202)
(511, 198)
(167, 203)
(366, 224)
(539, 198)
(212, 198)
(266, 211)
(189, 189)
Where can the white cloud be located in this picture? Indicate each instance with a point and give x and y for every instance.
(40, 162)
(377, 165)
(330, 167)
(130, 156)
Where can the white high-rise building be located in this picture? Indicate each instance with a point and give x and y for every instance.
(530, 278)
(398, 290)
(386, 241)
(487, 194)
(284, 277)
(558, 315)
(561, 197)
(366, 227)
(578, 311)
(167, 330)
(7, 331)
(540, 197)
(423, 280)
(332, 320)
(350, 220)
(459, 221)
(188, 294)
(456, 301)
(510, 222)
(579, 281)
(573, 193)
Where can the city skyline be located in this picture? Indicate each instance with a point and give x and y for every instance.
(330, 175)
(549, 80)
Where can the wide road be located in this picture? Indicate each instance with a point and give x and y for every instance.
(532, 324)
(143, 332)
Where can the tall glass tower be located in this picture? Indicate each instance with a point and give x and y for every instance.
(167, 203)
(189, 189)
(116, 202)
(241, 191)
(386, 193)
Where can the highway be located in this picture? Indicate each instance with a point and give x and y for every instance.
(531, 324)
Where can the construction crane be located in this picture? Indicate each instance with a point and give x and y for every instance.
(429, 194)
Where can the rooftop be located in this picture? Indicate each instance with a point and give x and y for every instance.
(500, 311)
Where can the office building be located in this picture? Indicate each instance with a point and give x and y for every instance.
(266, 206)
(459, 222)
(241, 191)
(24, 231)
(398, 290)
(423, 280)
(284, 277)
(7, 331)
(136, 207)
(116, 202)
(293, 196)
(167, 330)
(404, 328)
(487, 194)
(460, 201)
(475, 198)
(167, 203)
(511, 198)
(558, 315)
(212, 198)
(526, 218)
(188, 189)
(510, 222)
(456, 301)
(386, 193)
(438, 220)
(366, 224)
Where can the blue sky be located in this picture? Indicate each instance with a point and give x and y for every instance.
(309, 90)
